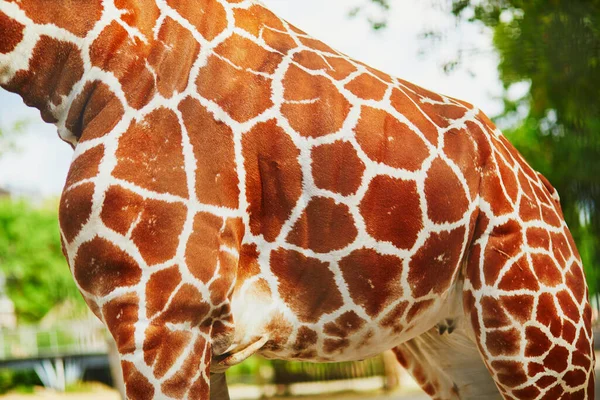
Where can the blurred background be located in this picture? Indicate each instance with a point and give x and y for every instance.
(534, 66)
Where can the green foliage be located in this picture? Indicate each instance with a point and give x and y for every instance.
(377, 22)
(8, 135)
(554, 46)
(19, 381)
(31, 258)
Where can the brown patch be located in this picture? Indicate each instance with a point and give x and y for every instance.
(324, 226)
(386, 140)
(310, 60)
(40, 86)
(163, 347)
(278, 41)
(446, 198)
(551, 216)
(503, 342)
(504, 243)
(537, 342)
(547, 314)
(307, 285)
(345, 325)
(336, 167)
(435, 263)
(576, 282)
(418, 309)
(157, 233)
(534, 369)
(159, 289)
(331, 346)
(248, 264)
(305, 339)
(460, 146)
(202, 249)
(139, 14)
(101, 267)
(94, 112)
(241, 94)
(212, 140)
(342, 68)
(186, 306)
(85, 166)
(256, 18)
(136, 384)
(115, 51)
(519, 276)
(120, 316)
(557, 359)
(209, 20)
(509, 373)
(75, 209)
(12, 33)
(172, 57)
(418, 92)
(441, 114)
(508, 178)
(313, 43)
(178, 384)
(221, 287)
(473, 270)
(528, 393)
(538, 237)
(575, 379)
(120, 209)
(493, 314)
(569, 331)
(201, 388)
(520, 307)
(568, 307)
(402, 359)
(561, 248)
(492, 192)
(329, 105)
(392, 211)
(546, 270)
(405, 106)
(67, 14)
(273, 178)
(150, 154)
(529, 209)
(280, 330)
(373, 279)
(393, 318)
(246, 54)
(367, 87)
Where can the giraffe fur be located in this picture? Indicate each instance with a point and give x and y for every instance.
(238, 187)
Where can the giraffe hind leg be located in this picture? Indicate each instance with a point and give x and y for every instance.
(531, 319)
(448, 365)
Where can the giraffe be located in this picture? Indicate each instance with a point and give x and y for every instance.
(239, 187)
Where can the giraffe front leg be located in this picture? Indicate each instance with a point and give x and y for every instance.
(218, 387)
(163, 358)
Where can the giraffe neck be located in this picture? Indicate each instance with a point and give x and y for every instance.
(79, 63)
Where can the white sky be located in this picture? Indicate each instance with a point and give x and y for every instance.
(41, 165)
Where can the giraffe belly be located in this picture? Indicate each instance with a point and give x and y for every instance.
(346, 334)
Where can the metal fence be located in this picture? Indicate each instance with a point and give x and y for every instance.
(34, 342)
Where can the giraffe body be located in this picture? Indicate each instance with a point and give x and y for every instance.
(240, 188)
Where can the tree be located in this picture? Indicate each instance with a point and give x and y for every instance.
(31, 258)
(377, 21)
(554, 46)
